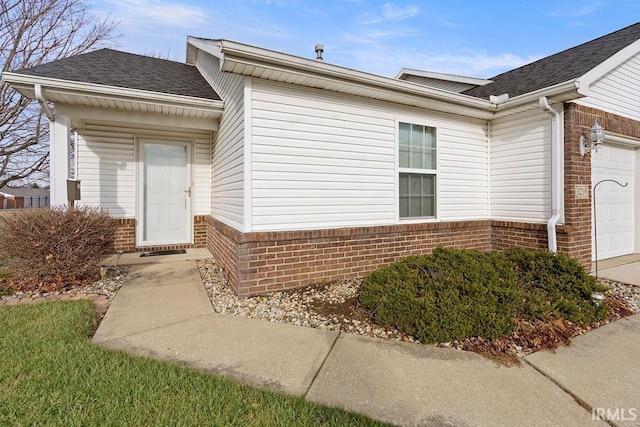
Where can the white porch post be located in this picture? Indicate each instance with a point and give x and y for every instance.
(59, 159)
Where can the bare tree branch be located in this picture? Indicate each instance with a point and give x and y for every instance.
(33, 32)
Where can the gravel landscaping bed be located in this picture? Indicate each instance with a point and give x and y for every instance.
(102, 290)
(335, 307)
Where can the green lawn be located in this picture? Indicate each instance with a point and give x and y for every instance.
(50, 374)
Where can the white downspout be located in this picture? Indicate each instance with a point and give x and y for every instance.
(43, 102)
(556, 189)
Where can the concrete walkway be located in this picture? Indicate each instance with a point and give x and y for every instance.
(163, 312)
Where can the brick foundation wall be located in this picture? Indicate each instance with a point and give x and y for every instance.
(222, 242)
(578, 120)
(200, 231)
(257, 263)
(125, 238)
(509, 234)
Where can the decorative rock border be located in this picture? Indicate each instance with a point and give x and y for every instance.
(303, 307)
(101, 292)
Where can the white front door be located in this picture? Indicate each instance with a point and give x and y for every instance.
(614, 204)
(165, 205)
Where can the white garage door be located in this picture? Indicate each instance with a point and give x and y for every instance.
(614, 205)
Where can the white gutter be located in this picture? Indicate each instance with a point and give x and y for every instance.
(233, 52)
(254, 60)
(561, 92)
(43, 102)
(23, 81)
(556, 169)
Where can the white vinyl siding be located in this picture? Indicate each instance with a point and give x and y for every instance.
(201, 170)
(520, 167)
(227, 161)
(322, 160)
(618, 91)
(463, 164)
(107, 168)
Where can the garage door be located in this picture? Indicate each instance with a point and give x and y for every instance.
(614, 205)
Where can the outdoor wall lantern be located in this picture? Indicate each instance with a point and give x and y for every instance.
(596, 136)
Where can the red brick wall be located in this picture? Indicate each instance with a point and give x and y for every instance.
(266, 262)
(508, 234)
(125, 238)
(200, 231)
(223, 244)
(578, 120)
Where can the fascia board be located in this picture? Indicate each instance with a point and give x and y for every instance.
(136, 117)
(442, 76)
(561, 92)
(596, 73)
(233, 53)
(210, 46)
(415, 98)
(22, 81)
(250, 55)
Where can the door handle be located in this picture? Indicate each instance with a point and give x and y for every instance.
(188, 191)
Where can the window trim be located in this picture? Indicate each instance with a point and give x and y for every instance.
(399, 170)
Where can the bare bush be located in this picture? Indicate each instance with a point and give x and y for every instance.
(55, 247)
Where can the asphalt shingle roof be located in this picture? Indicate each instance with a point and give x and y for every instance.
(559, 68)
(115, 68)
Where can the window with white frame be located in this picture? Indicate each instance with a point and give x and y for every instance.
(417, 171)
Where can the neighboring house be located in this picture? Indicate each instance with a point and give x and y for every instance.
(23, 197)
(293, 171)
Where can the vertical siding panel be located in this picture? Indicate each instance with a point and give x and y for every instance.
(227, 155)
(520, 167)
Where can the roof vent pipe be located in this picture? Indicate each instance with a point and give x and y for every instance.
(319, 51)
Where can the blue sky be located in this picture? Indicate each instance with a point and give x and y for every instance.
(472, 38)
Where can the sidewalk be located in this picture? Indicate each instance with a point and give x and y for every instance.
(163, 312)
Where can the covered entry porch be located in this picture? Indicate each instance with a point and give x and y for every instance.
(137, 134)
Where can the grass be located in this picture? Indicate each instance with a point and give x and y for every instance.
(50, 374)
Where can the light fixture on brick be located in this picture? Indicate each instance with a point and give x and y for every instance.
(595, 138)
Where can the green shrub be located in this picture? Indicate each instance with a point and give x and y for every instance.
(451, 294)
(54, 244)
(454, 294)
(556, 285)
